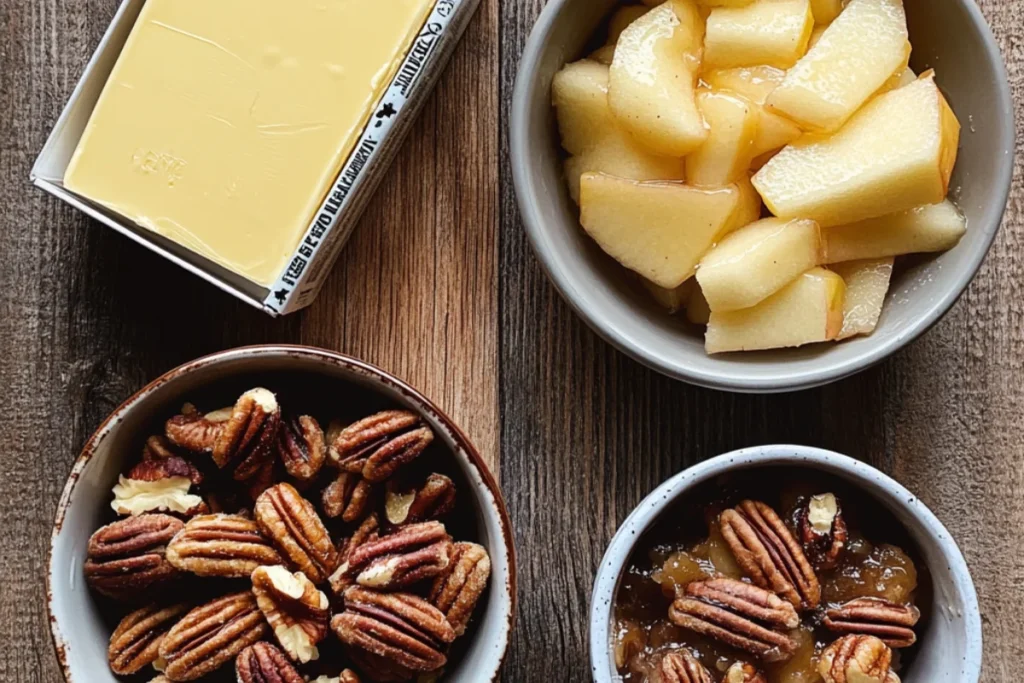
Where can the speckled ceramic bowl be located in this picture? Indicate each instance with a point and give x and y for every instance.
(949, 35)
(81, 631)
(949, 649)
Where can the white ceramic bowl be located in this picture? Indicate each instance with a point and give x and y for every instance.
(950, 35)
(949, 651)
(80, 632)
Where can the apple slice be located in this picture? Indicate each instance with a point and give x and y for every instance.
(825, 11)
(867, 283)
(725, 156)
(853, 59)
(894, 154)
(653, 74)
(672, 300)
(748, 209)
(756, 83)
(619, 155)
(603, 55)
(658, 230)
(808, 310)
(935, 227)
(622, 18)
(772, 32)
(697, 310)
(756, 261)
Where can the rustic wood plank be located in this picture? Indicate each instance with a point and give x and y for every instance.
(587, 433)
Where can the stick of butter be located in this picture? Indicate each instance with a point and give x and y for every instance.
(225, 122)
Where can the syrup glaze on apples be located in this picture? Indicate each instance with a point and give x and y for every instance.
(878, 560)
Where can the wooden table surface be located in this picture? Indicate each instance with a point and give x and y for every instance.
(439, 286)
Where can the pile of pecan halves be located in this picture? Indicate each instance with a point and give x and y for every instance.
(225, 505)
(784, 588)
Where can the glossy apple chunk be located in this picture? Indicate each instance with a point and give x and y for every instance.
(659, 230)
(754, 262)
(653, 76)
(854, 57)
(756, 83)
(896, 153)
(808, 310)
(931, 228)
(867, 283)
(771, 32)
(726, 154)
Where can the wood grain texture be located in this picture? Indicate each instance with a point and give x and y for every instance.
(87, 317)
(587, 433)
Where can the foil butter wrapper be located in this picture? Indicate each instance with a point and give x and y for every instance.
(299, 282)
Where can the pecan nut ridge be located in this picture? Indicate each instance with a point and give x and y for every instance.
(264, 663)
(682, 667)
(301, 447)
(857, 659)
(402, 628)
(739, 614)
(348, 496)
(128, 557)
(135, 642)
(248, 439)
(212, 635)
(769, 554)
(379, 445)
(410, 554)
(823, 530)
(221, 545)
(292, 523)
(458, 589)
(194, 431)
(891, 623)
(296, 611)
(367, 532)
(434, 499)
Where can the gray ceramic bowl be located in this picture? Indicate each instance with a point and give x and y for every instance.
(950, 35)
(949, 650)
(80, 631)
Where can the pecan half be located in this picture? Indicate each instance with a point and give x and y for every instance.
(264, 663)
(767, 552)
(681, 667)
(349, 496)
(135, 642)
(402, 628)
(434, 499)
(160, 482)
(229, 546)
(378, 445)
(823, 530)
(194, 431)
(367, 531)
(746, 617)
(212, 635)
(296, 611)
(857, 659)
(300, 445)
(248, 439)
(891, 623)
(410, 554)
(291, 522)
(128, 557)
(457, 590)
(741, 672)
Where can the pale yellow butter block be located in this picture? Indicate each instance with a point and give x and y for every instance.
(931, 228)
(771, 32)
(658, 230)
(808, 310)
(867, 283)
(854, 57)
(223, 124)
(896, 153)
(754, 262)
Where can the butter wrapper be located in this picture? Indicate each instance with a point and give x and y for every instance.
(331, 226)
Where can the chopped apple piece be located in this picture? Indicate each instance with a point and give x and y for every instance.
(697, 310)
(867, 283)
(825, 11)
(816, 35)
(756, 83)
(591, 133)
(772, 32)
(658, 230)
(748, 209)
(808, 310)
(622, 18)
(672, 300)
(936, 227)
(725, 156)
(896, 153)
(653, 74)
(855, 57)
(603, 55)
(756, 261)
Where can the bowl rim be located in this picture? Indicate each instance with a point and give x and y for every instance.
(738, 380)
(861, 474)
(310, 353)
